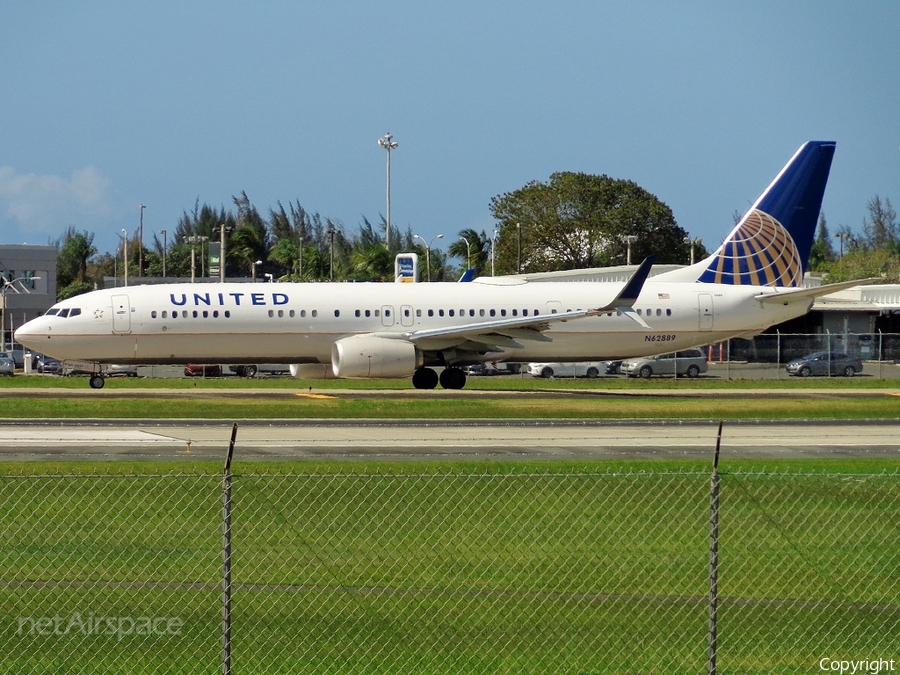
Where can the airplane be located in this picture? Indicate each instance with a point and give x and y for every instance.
(377, 330)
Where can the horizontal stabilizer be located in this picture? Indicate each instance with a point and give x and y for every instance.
(792, 294)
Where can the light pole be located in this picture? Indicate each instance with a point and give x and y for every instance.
(519, 259)
(388, 144)
(428, 251)
(693, 242)
(493, 248)
(468, 252)
(193, 240)
(629, 239)
(222, 230)
(141, 244)
(125, 252)
(842, 236)
(7, 283)
(253, 269)
(330, 233)
(163, 232)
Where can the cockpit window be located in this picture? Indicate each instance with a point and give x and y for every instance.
(75, 312)
(51, 312)
(63, 313)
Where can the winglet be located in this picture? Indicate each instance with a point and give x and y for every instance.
(467, 276)
(632, 289)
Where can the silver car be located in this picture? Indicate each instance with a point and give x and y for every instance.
(690, 362)
(7, 365)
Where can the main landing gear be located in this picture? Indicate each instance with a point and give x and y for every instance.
(450, 378)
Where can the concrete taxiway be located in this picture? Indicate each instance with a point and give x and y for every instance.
(441, 440)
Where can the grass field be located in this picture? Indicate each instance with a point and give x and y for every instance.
(611, 398)
(505, 567)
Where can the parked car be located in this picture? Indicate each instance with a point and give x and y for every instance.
(825, 363)
(613, 367)
(253, 370)
(690, 362)
(120, 370)
(47, 365)
(202, 370)
(17, 354)
(7, 365)
(580, 369)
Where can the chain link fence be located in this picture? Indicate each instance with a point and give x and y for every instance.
(495, 571)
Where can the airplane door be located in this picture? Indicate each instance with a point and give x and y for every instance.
(387, 316)
(121, 314)
(406, 315)
(705, 306)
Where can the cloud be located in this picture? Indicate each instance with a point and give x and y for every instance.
(47, 203)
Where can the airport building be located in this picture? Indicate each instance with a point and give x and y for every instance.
(27, 284)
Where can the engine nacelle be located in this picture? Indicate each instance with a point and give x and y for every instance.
(312, 371)
(373, 356)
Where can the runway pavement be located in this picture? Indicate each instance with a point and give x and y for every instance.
(441, 440)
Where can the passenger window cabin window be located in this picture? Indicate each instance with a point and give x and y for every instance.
(450, 312)
(430, 312)
(227, 313)
(215, 314)
(153, 314)
(337, 313)
(315, 313)
(471, 312)
(493, 312)
(205, 314)
(271, 314)
(440, 312)
(357, 313)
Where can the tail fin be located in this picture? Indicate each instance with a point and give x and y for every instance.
(770, 246)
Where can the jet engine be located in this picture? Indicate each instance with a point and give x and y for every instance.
(374, 356)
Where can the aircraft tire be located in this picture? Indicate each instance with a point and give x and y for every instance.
(425, 378)
(97, 381)
(453, 378)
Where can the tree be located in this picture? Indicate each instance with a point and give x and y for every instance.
(880, 228)
(479, 248)
(863, 263)
(822, 251)
(577, 220)
(75, 248)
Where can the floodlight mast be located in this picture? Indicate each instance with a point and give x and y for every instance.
(388, 144)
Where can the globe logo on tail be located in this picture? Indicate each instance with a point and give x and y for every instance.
(759, 252)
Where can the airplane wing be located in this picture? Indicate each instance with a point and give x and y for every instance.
(792, 294)
(487, 336)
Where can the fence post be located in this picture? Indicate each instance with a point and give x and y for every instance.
(226, 557)
(712, 637)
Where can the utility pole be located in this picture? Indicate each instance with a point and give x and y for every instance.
(141, 244)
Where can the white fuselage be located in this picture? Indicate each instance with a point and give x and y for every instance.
(299, 322)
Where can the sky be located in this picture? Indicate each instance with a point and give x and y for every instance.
(107, 105)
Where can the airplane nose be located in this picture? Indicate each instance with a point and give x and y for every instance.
(27, 334)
